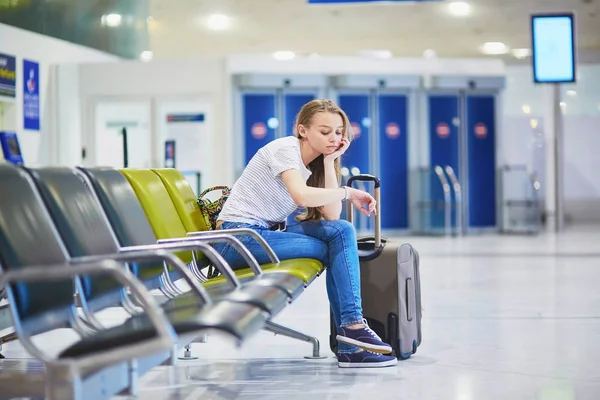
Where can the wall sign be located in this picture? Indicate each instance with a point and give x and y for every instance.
(186, 133)
(443, 130)
(31, 95)
(8, 75)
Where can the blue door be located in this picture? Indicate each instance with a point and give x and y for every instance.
(293, 103)
(258, 111)
(444, 144)
(356, 107)
(481, 155)
(393, 160)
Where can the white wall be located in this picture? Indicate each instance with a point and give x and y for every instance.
(204, 80)
(41, 147)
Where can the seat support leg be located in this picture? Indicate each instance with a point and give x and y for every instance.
(133, 372)
(285, 331)
(5, 339)
(187, 354)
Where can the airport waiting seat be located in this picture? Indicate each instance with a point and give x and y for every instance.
(30, 239)
(167, 225)
(183, 198)
(81, 223)
(127, 217)
(39, 283)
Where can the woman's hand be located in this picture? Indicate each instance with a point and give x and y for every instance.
(341, 150)
(360, 199)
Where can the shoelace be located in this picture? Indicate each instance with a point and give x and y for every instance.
(368, 329)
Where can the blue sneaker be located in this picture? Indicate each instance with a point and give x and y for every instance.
(365, 359)
(364, 338)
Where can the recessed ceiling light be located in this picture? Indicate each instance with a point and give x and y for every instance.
(571, 93)
(146, 55)
(494, 48)
(521, 54)
(526, 109)
(111, 20)
(459, 8)
(284, 55)
(429, 53)
(218, 22)
(381, 54)
(533, 123)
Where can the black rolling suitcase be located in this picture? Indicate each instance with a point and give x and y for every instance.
(390, 286)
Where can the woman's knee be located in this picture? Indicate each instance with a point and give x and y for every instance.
(343, 228)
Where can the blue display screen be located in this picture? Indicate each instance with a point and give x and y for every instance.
(553, 48)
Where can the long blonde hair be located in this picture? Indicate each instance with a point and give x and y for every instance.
(317, 178)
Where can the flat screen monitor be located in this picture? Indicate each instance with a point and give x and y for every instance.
(553, 48)
(13, 147)
(10, 148)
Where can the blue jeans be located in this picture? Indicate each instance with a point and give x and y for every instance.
(331, 242)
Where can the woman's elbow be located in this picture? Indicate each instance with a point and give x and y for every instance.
(299, 199)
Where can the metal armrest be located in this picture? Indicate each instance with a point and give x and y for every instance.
(234, 242)
(166, 333)
(145, 253)
(189, 244)
(241, 231)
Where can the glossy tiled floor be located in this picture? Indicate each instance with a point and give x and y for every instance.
(504, 318)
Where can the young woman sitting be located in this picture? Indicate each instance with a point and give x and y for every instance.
(304, 170)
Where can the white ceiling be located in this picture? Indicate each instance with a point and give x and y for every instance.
(265, 26)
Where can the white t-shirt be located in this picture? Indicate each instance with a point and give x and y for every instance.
(259, 196)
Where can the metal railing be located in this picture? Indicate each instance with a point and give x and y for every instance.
(437, 198)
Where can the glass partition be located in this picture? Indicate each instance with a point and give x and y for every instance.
(521, 211)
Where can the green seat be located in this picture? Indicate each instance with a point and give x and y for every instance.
(184, 200)
(306, 269)
(157, 205)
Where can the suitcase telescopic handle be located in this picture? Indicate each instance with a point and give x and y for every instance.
(349, 210)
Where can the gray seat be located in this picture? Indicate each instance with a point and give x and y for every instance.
(28, 238)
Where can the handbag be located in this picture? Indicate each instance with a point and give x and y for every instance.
(210, 212)
(210, 209)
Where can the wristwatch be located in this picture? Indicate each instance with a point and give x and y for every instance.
(347, 196)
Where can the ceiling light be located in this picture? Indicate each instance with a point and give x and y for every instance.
(111, 20)
(521, 54)
(494, 48)
(429, 53)
(533, 123)
(459, 8)
(146, 55)
(284, 55)
(571, 93)
(380, 54)
(218, 22)
(526, 109)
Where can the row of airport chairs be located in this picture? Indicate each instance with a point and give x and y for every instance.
(76, 241)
